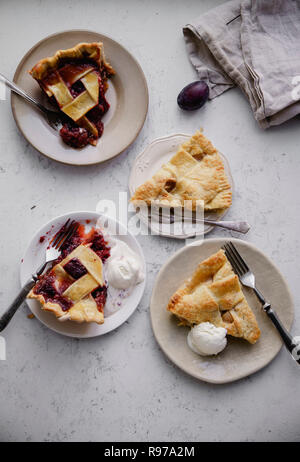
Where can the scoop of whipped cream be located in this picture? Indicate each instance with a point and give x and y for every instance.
(123, 268)
(206, 339)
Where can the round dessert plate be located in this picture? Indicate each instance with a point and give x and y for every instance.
(239, 358)
(148, 163)
(127, 95)
(116, 313)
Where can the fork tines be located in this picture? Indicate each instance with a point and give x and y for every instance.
(59, 234)
(65, 232)
(237, 262)
(72, 229)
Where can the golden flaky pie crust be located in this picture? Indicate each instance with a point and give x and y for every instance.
(90, 51)
(213, 294)
(194, 173)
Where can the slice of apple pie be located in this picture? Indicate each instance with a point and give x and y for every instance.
(213, 294)
(194, 173)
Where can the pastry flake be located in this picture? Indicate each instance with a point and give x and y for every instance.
(213, 294)
(194, 173)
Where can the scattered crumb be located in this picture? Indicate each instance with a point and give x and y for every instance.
(33, 207)
(30, 316)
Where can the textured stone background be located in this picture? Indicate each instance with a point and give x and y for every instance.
(121, 386)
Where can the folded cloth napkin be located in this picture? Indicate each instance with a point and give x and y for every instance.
(253, 44)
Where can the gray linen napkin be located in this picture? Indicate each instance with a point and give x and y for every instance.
(254, 44)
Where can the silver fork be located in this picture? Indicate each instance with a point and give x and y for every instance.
(52, 253)
(247, 278)
(53, 118)
(237, 226)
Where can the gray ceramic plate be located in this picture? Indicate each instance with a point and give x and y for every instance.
(127, 95)
(239, 359)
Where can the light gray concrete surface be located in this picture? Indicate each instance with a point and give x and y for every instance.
(121, 386)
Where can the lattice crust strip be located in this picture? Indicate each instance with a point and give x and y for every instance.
(75, 108)
(79, 106)
(195, 172)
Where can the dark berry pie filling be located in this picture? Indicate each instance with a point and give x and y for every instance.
(78, 136)
(46, 288)
(75, 268)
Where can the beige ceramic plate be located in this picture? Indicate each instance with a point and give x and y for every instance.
(127, 95)
(149, 162)
(239, 359)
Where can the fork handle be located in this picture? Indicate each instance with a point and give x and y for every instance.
(238, 226)
(291, 343)
(9, 313)
(22, 93)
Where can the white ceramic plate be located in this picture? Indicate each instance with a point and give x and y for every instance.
(149, 162)
(35, 255)
(127, 96)
(240, 358)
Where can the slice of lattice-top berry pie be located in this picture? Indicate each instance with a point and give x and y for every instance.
(75, 80)
(74, 287)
